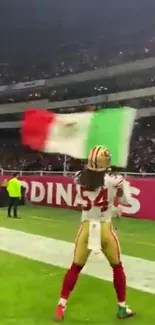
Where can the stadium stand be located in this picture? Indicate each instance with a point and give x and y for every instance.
(75, 57)
(128, 84)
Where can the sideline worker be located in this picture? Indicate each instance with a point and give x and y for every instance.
(14, 192)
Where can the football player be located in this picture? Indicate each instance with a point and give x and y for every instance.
(117, 208)
(96, 192)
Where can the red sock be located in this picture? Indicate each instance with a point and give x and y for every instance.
(119, 280)
(70, 280)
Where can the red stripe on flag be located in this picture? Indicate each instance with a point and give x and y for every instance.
(35, 126)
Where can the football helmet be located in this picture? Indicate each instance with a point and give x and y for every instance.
(99, 159)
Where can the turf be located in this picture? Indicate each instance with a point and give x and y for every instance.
(29, 290)
(137, 237)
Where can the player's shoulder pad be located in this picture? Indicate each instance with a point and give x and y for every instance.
(77, 175)
(108, 180)
(115, 181)
(118, 181)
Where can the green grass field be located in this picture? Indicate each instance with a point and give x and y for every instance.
(30, 289)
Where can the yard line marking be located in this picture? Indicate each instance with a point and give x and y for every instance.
(53, 274)
(138, 242)
(144, 243)
(140, 272)
(49, 219)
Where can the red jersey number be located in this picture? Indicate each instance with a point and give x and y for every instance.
(100, 201)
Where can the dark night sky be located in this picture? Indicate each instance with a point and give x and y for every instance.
(27, 25)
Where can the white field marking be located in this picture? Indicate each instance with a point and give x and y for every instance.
(127, 235)
(53, 274)
(140, 272)
(49, 219)
(130, 235)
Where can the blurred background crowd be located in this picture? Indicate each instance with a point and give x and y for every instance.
(72, 58)
(51, 41)
(15, 157)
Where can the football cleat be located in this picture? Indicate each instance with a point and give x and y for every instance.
(60, 313)
(124, 312)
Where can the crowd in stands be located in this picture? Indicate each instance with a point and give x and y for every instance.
(73, 59)
(15, 157)
(142, 149)
(77, 57)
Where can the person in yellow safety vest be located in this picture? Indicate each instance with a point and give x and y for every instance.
(14, 192)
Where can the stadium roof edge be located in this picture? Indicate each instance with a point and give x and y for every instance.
(100, 99)
(107, 72)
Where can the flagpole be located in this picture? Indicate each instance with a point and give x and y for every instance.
(65, 165)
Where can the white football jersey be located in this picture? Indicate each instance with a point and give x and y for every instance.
(99, 204)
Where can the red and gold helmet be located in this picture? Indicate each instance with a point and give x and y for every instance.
(99, 159)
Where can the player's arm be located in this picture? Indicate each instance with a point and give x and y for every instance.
(119, 185)
(77, 182)
(123, 190)
(77, 176)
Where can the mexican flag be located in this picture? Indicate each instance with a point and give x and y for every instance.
(75, 134)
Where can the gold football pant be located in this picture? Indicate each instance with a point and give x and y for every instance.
(110, 248)
(109, 243)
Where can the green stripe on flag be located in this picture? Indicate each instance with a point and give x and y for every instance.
(112, 128)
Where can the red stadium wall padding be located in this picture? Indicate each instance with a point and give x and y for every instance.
(60, 191)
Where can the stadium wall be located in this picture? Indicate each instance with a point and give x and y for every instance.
(60, 191)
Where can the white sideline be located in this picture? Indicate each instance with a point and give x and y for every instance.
(140, 272)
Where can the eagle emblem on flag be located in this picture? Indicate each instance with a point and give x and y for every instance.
(67, 129)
